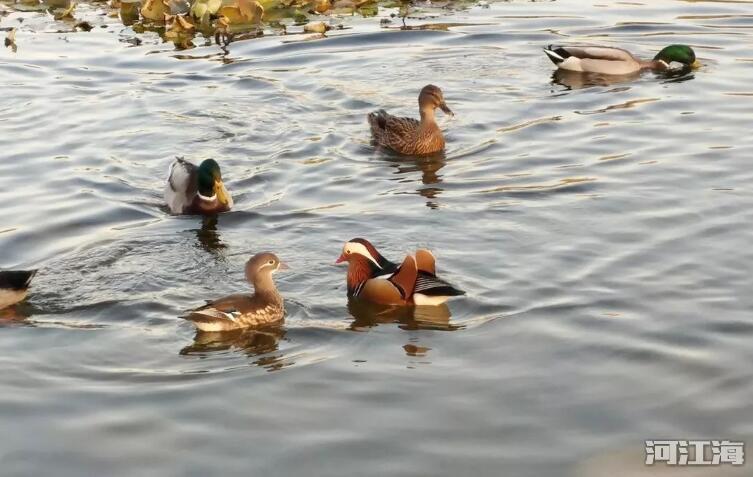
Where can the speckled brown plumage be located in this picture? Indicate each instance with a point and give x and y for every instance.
(264, 307)
(410, 136)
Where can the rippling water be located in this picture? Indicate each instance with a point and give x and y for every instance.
(602, 231)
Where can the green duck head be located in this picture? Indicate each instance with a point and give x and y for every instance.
(210, 181)
(679, 53)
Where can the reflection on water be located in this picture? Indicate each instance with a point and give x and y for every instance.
(254, 343)
(368, 314)
(429, 167)
(208, 237)
(578, 80)
(14, 315)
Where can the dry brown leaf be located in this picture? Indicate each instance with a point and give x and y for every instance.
(317, 27)
(153, 10)
(251, 10)
(322, 6)
(10, 39)
(66, 13)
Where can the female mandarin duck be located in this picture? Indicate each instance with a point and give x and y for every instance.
(410, 136)
(196, 190)
(14, 284)
(374, 278)
(243, 310)
(616, 61)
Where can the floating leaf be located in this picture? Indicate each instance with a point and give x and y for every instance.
(84, 26)
(65, 13)
(179, 30)
(317, 27)
(153, 10)
(129, 11)
(177, 7)
(242, 12)
(10, 39)
(202, 9)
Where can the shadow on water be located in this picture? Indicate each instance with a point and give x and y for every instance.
(253, 343)
(368, 315)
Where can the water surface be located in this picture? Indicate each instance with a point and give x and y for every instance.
(602, 232)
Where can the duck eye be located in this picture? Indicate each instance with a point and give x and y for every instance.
(271, 262)
(347, 252)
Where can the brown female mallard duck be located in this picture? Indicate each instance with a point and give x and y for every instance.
(616, 61)
(14, 284)
(410, 136)
(243, 310)
(196, 190)
(373, 278)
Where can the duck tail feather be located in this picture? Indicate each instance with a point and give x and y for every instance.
(16, 279)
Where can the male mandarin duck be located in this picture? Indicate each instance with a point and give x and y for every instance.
(243, 310)
(14, 284)
(374, 278)
(196, 190)
(616, 61)
(408, 135)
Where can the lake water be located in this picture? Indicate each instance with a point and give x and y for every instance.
(602, 232)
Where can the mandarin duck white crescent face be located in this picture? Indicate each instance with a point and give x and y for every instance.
(373, 278)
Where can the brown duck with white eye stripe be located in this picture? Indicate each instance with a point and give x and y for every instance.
(373, 278)
(408, 135)
(243, 310)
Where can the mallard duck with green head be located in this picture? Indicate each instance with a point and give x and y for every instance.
(196, 190)
(616, 61)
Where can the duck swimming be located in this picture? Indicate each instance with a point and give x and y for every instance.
(616, 61)
(244, 310)
(373, 278)
(410, 136)
(196, 190)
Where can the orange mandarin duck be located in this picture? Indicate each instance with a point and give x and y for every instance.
(373, 278)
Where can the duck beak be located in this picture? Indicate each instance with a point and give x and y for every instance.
(446, 110)
(696, 64)
(223, 197)
(341, 259)
(283, 266)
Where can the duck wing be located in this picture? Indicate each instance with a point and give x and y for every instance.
(594, 59)
(182, 185)
(397, 133)
(430, 285)
(426, 262)
(236, 311)
(222, 314)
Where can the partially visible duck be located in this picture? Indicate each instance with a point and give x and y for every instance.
(616, 61)
(196, 190)
(374, 278)
(245, 310)
(14, 285)
(408, 135)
